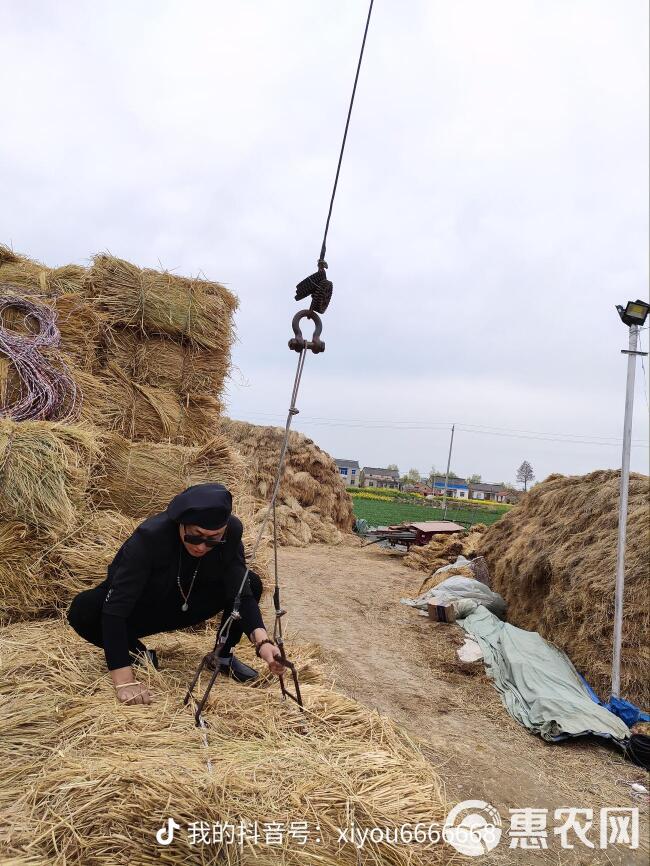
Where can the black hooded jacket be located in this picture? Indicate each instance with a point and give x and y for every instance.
(142, 584)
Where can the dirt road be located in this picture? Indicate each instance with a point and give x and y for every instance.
(387, 656)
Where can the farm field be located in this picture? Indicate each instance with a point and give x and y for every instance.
(384, 513)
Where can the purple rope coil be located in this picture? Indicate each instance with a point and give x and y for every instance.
(47, 392)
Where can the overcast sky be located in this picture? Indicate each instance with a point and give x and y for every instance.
(492, 207)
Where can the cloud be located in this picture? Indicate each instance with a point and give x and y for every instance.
(492, 206)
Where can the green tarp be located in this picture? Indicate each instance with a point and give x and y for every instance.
(538, 684)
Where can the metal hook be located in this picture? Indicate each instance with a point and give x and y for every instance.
(298, 342)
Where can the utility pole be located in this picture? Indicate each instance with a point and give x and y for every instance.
(622, 508)
(444, 498)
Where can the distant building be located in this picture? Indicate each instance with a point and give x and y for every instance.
(490, 492)
(373, 477)
(349, 472)
(457, 488)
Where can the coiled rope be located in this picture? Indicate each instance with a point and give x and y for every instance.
(47, 392)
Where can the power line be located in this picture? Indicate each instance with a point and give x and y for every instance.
(575, 438)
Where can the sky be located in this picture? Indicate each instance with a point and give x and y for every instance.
(491, 211)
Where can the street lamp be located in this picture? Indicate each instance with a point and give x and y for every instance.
(633, 315)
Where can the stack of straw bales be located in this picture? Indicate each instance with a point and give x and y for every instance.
(313, 505)
(83, 780)
(445, 549)
(149, 352)
(553, 558)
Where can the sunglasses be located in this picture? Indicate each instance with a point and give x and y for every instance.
(202, 539)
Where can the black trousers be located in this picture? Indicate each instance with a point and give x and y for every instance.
(85, 616)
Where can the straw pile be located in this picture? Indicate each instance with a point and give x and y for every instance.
(149, 350)
(84, 780)
(313, 505)
(553, 558)
(444, 549)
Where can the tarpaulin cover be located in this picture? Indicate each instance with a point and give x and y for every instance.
(537, 682)
(455, 588)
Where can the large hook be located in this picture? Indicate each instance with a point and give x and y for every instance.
(297, 343)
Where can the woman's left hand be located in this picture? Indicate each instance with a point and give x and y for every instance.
(271, 655)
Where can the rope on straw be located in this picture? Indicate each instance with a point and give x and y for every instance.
(47, 393)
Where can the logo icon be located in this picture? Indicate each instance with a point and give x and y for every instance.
(473, 827)
(165, 836)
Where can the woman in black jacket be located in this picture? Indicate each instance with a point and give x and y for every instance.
(178, 569)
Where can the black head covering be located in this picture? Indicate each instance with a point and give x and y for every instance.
(205, 505)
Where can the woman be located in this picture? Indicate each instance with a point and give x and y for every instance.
(178, 569)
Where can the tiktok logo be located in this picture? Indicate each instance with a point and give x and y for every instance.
(165, 836)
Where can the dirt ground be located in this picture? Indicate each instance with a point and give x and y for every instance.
(387, 656)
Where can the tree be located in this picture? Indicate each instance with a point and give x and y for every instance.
(411, 477)
(393, 466)
(525, 474)
(474, 479)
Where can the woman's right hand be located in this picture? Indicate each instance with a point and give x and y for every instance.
(133, 694)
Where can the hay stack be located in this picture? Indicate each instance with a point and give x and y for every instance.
(313, 504)
(444, 549)
(553, 558)
(86, 780)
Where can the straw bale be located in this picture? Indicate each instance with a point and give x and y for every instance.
(85, 780)
(34, 278)
(83, 331)
(45, 471)
(315, 505)
(553, 558)
(24, 588)
(444, 549)
(40, 575)
(157, 302)
(140, 478)
(161, 362)
(114, 402)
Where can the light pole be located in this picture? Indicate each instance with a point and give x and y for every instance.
(633, 315)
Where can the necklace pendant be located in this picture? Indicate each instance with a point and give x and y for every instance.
(184, 607)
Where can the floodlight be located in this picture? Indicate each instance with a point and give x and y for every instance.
(635, 312)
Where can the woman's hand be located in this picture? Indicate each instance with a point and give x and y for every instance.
(135, 693)
(127, 689)
(271, 655)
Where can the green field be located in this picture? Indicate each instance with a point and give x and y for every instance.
(387, 513)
